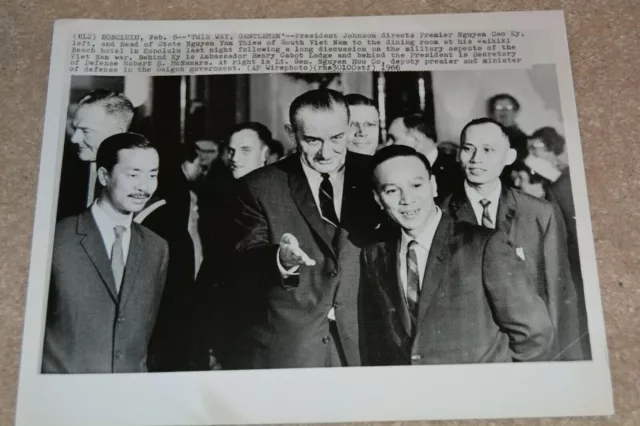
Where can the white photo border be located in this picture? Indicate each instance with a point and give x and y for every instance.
(546, 389)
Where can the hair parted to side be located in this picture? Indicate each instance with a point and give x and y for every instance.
(394, 151)
(319, 99)
(477, 122)
(110, 148)
(417, 122)
(263, 132)
(355, 99)
(115, 104)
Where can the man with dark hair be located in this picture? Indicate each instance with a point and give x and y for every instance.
(436, 292)
(504, 109)
(414, 131)
(365, 124)
(108, 273)
(248, 148)
(534, 226)
(99, 114)
(276, 151)
(302, 222)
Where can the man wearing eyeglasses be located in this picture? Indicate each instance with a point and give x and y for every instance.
(504, 108)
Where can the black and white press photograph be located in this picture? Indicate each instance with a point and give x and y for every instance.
(279, 221)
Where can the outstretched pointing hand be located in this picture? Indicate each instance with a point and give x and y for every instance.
(291, 254)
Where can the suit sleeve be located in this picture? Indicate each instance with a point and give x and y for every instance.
(256, 256)
(562, 295)
(518, 309)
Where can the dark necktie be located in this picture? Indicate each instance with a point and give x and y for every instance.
(413, 280)
(326, 201)
(117, 256)
(486, 216)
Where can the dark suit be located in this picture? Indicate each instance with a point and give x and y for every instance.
(475, 304)
(537, 227)
(91, 328)
(448, 174)
(288, 318)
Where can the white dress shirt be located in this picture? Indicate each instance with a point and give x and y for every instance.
(432, 156)
(93, 178)
(106, 225)
(424, 240)
(475, 197)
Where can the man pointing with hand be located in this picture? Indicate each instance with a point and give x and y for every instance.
(302, 224)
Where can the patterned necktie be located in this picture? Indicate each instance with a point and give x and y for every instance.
(117, 256)
(486, 216)
(326, 201)
(413, 280)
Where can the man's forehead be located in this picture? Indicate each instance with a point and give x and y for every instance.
(362, 110)
(90, 114)
(485, 133)
(206, 145)
(244, 137)
(316, 117)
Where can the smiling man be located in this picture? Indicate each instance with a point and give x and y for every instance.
(100, 114)
(534, 226)
(436, 292)
(108, 272)
(302, 223)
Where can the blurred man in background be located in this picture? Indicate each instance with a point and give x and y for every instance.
(364, 135)
(248, 148)
(98, 115)
(414, 131)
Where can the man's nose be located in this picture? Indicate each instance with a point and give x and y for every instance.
(325, 150)
(77, 136)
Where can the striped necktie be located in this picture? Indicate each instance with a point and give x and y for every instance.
(326, 201)
(486, 215)
(413, 280)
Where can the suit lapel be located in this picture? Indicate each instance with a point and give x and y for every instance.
(133, 264)
(302, 196)
(436, 265)
(93, 245)
(391, 282)
(506, 210)
(460, 207)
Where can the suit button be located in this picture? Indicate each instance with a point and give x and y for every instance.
(416, 357)
(326, 340)
(118, 354)
(336, 304)
(120, 320)
(333, 274)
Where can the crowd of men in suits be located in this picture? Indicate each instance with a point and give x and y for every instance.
(346, 252)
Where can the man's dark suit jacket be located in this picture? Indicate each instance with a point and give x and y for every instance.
(288, 318)
(535, 226)
(448, 174)
(169, 350)
(475, 304)
(91, 328)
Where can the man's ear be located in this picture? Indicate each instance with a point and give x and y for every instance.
(291, 133)
(264, 154)
(511, 156)
(434, 186)
(377, 198)
(103, 176)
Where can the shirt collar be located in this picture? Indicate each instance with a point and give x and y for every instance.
(316, 177)
(475, 197)
(426, 236)
(432, 156)
(103, 218)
